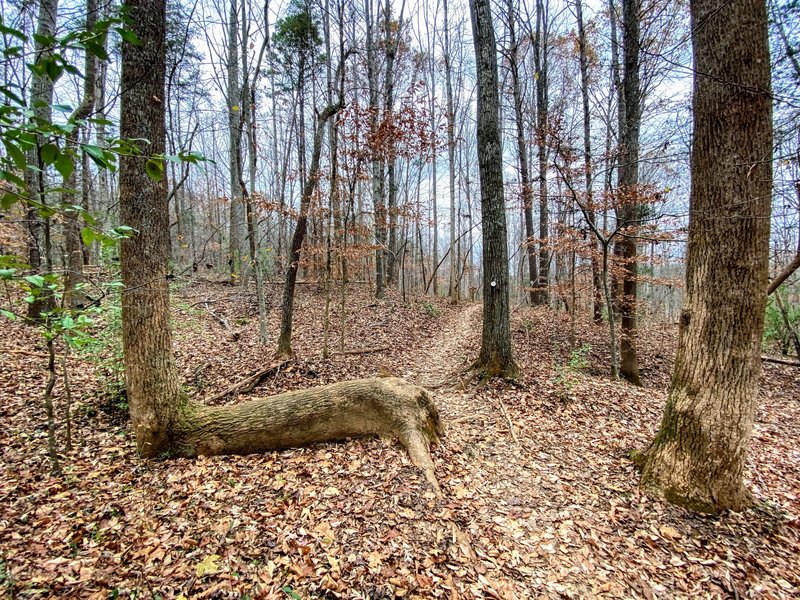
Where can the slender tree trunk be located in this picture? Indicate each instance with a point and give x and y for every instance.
(233, 92)
(378, 174)
(628, 209)
(496, 359)
(597, 304)
(72, 229)
(451, 162)
(40, 102)
(287, 307)
(522, 155)
(698, 456)
(392, 43)
(540, 52)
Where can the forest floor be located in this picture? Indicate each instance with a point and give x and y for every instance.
(540, 499)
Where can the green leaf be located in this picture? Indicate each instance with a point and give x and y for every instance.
(49, 153)
(154, 169)
(123, 231)
(94, 152)
(35, 280)
(127, 35)
(291, 593)
(53, 70)
(7, 176)
(8, 314)
(87, 235)
(9, 94)
(4, 29)
(64, 165)
(7, 274)
(16, 154)
(62, 108)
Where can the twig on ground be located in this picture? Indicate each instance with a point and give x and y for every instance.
(247, 384)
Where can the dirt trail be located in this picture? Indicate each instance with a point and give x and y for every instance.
(448, 352)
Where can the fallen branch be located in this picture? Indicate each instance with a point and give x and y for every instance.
(247, 384)
(510, 424)
(781, 361)
(26, 353)
(362, 350)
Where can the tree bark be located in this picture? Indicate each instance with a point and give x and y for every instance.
(378, 174)
(628, 209)
(496, 359)
(453, 287)
(591, 215)
(522, 155)
(233, 93)
(72, 230)
(151, 377)
(698, 455)
(41, 103)
(385, 406)
(540, 50)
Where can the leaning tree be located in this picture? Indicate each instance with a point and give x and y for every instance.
(698, 456)
(165, 421)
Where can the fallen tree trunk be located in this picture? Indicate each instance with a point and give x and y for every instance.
(780, 361)
(386, 406)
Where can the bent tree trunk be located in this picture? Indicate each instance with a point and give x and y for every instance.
(698, 456)
(165, 421)
(385, 406)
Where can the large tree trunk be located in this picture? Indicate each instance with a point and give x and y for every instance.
(496, 359)
(698, 456)
(150, 375)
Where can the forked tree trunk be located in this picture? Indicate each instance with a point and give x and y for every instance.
(165, 422)
(698, 455)
(496, 359)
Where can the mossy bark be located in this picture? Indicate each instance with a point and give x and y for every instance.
(697, 458)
